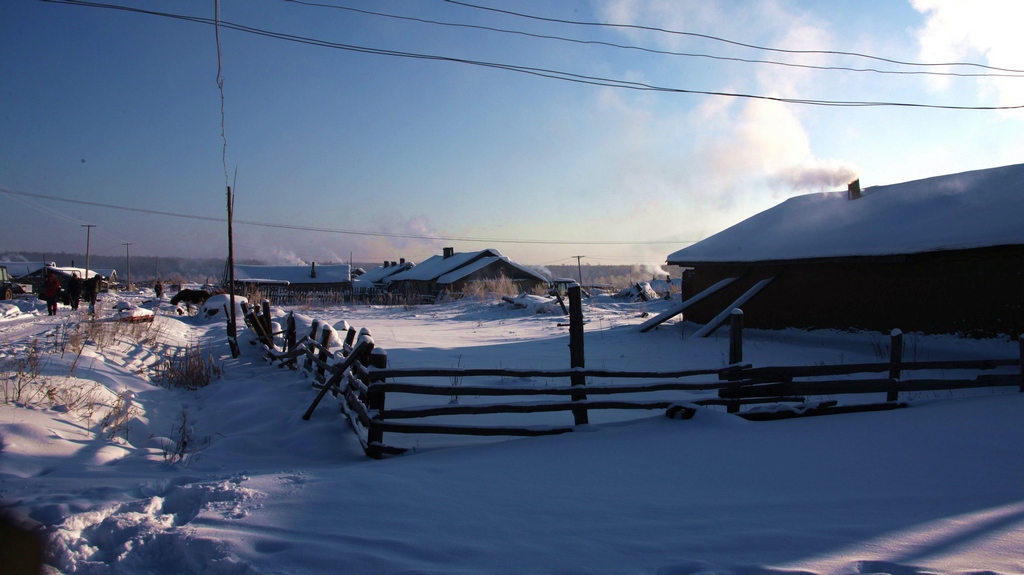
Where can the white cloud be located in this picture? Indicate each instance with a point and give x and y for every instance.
(975, 30)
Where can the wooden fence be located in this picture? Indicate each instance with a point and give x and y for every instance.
(358, 375)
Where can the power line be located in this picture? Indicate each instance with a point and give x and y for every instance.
(534, 71)
(727, 41)
(653, 50)
(6, 190)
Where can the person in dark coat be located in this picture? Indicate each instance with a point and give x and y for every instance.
(50, 293)
(74, 291)
(89, 289)
(158, 287)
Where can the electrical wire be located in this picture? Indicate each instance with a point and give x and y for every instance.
(654, 50)
(6, 190)
(534, 71)
(727, 41)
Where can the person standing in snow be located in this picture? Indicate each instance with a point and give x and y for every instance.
(158, 287)
(89, 289)
(51, 291)
(74, 291)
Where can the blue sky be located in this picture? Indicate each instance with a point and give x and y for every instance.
(123, 109)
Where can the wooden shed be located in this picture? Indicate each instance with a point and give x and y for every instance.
(938, 255)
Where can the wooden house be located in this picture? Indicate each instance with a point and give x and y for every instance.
(938, 255)
(377, 279)
(333, 281)
(34, 273)
(452, 270)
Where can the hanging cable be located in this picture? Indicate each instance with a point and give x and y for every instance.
(733, 42)
(540, 72)
(657, 51)
(6, 190)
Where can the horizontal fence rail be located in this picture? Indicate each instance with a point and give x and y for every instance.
(358, 376)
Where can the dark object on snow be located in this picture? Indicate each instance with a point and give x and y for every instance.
(74, 291)
(21, 550)
(90, 288)
(191, 297)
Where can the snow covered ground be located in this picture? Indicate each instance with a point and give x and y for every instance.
(93, 456)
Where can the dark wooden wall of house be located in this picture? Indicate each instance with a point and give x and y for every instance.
(526, 281)
(975, 292)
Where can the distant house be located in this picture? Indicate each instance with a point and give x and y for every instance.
(334, 280)
(938, 255)
(451, 271)
(35, 274)
(377, 279)
(22, 269)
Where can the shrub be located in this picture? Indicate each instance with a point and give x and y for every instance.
(496, 287)
(188, 369)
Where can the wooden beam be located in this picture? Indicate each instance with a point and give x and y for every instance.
(667, 315)
(721, 318)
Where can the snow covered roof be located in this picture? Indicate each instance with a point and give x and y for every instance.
(381, 274)
(444, 270)
(437, 266)
(19, 269)
(968, 210)
(325, 274)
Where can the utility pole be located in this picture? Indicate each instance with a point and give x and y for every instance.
(128, 255)
(232, 328)
(580, 267)
(88, 237)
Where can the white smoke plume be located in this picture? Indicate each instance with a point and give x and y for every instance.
(813, 178)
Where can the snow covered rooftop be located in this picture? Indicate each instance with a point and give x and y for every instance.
(968, 210)
(382, 273)
(437, 266)
(445, 270)
(18, 269)
(325, 274)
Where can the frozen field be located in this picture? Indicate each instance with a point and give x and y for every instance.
(935, 488)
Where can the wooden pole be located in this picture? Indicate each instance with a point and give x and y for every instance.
(895, 358)
(267, 326)
(325, 341)
(364, 346)
(576, 355)
(1021, 340)
(289, 333)
(736, 336)
(312, 336)
(232, 325)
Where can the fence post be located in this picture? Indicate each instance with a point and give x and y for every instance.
(325, 341)
(576, 355)
(289, 332)
(736, 336)
(267, 326)
(379, 358)
(315, 325)
(895, 358)
(1021, 341)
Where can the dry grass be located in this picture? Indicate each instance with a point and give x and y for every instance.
(188, 368)
(20, 372)
(491, 288)
(119, 417)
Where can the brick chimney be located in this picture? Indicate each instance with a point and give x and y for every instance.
(449, 252)
(853, 190)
